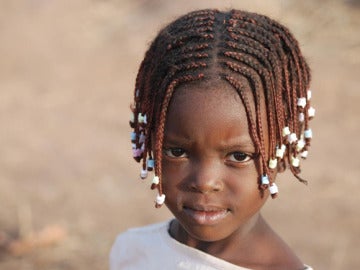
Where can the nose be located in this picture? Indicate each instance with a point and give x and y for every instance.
(206, 177)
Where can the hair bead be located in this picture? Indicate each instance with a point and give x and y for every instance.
(300, 145)
(301, 117)
(272, 163)
(292, 138)
(308, 94)
(286, 131)
(280, 151)
(308, 134)
(133, 136)
(150, 164)
(143, 174)
(140, 118)
(160, 199)
(265, 180)
(132, 118)
(137, 152)
(155, 180)
(301, 102)
(311, 112)
(142, 138)
(304, 154)
(273, 190)
(295, 162)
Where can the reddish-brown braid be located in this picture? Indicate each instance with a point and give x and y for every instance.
(206, 45)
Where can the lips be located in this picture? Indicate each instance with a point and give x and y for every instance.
(206, 214)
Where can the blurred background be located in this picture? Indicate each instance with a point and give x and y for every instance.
(68, 184)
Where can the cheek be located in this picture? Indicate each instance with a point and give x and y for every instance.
(244, 187)
(243, 179)
(172, 175)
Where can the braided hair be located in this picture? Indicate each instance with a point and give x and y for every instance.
(208, 44)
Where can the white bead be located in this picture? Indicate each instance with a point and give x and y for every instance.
(301, 117)
(265, 180)
(304, 154)
(292, 138)
(132, 118)
(155, 180)
(280, 151)
(137, 92)
(285, 131)
(301, 102)
(160, 199)
(308, 133)
(272, 163)
(283, 147)
(133, 145)
(145, 119)
(143, 174)
(140, 118)
(308, 94)
(300, 145)
(273, 189)
(295, 162)
(311, 112)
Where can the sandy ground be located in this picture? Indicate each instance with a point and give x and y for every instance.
(68, 183)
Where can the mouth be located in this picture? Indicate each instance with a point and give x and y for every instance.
(206, 215)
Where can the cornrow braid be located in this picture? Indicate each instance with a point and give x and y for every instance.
(233, 46)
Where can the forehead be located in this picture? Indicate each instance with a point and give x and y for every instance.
(203, 106)
(199, 97)
(221, 90)
(216, 108)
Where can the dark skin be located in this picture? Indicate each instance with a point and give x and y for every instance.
(210, 178)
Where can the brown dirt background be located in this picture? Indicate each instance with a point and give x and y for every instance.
(67, 72)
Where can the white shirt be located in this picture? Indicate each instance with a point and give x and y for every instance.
(152, 248)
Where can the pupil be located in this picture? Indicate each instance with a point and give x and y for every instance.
(239, 156)
(177, 152)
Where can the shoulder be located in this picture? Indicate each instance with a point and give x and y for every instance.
(140, 235)
(135, 244)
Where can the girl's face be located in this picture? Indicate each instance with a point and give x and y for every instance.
(209, 169)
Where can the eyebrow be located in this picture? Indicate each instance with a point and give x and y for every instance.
(238, 144)
(175, 139)
(245, 144)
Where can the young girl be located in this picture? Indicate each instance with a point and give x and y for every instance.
(222, 104)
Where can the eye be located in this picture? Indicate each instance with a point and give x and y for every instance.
(175, 152)
(239, 157)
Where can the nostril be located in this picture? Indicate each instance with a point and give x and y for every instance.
(206, 186)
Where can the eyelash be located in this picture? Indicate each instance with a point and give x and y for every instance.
(178, 153)
(243, 156)
(170, 152)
